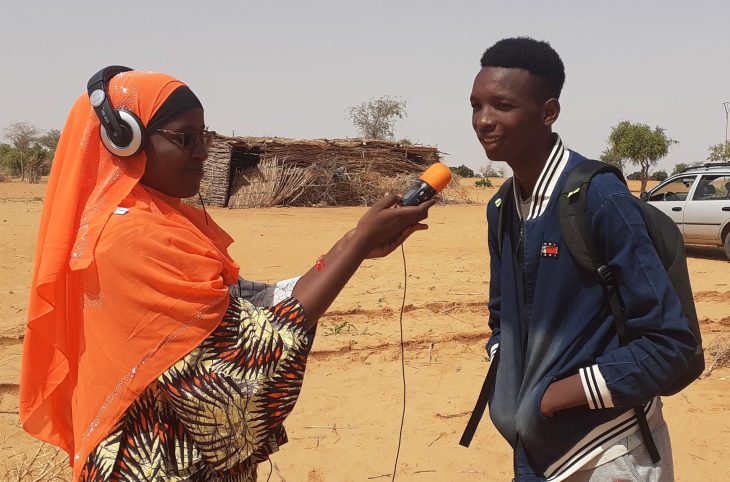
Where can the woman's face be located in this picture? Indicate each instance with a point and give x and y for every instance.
(175, 156)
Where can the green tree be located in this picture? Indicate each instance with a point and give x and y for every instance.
(719, 152)
(610, 157)
(49, 140)
(6, 153)
(659, 175)
(38, 162)
(7, 161)
(462, 171)
(681, 167)
(375, 119)
(639, 144)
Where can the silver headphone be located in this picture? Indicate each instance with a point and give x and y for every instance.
(121, 131)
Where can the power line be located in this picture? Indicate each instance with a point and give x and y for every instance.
(726, 105)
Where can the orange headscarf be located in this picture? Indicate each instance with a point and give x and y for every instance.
(118, 295)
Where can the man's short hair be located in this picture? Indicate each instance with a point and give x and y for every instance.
(535, 56)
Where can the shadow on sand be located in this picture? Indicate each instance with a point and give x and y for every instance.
(707, 252)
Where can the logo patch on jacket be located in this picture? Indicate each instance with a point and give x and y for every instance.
(549, 250)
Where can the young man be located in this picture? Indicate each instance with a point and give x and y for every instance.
(565, 389)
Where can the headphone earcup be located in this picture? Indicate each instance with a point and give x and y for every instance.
(137, 135)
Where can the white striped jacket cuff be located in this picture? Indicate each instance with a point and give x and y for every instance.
(493, 351)
(595, 388)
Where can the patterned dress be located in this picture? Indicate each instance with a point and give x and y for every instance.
(218, 412)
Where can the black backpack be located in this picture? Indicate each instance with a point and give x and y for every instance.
(577, 237)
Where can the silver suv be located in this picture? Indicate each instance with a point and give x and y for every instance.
(698, 200)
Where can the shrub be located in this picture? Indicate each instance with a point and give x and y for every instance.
(678, 168)
(462, 171)
(483, 183)
(5, 174)
(659, 176)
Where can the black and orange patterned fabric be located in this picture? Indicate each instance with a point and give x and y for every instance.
(218, 412)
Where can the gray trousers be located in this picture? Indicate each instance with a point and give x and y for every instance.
(635, 466)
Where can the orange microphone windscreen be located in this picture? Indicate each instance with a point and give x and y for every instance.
(437, 176)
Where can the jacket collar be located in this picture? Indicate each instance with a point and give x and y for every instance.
(547, 181)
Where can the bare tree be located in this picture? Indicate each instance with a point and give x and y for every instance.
(32, 151)
(490, 171)
(375, 119)
(22, 136)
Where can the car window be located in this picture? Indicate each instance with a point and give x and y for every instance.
(675, 190)
(712, 187)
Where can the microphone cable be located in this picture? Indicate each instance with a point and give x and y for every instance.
(203, 204)
(402, 360)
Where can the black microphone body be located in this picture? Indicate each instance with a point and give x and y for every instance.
(419, 193)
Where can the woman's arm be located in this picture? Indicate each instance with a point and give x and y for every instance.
(380, 230)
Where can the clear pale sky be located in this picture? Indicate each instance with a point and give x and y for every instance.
(290, 69)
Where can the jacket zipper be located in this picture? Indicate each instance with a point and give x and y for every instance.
(523, 316)
(523, 307)
(523, 319)
(521, 251)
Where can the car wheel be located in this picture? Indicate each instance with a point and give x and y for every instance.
(727, 245)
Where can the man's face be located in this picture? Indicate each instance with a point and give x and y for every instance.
(506, 114)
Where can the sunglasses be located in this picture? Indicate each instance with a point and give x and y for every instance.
(188, 140)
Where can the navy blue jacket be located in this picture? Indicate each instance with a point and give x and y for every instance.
(549, 320)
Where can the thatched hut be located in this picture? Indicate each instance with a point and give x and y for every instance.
(275, 171)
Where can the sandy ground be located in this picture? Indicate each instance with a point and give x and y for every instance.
(346, 422)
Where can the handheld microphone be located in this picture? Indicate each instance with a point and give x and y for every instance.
(432, 181)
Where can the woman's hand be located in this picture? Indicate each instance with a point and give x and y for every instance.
(380, 230)
(387, 224)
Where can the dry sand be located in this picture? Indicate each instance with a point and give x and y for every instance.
(345, 425)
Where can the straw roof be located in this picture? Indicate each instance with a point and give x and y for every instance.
(276, 171)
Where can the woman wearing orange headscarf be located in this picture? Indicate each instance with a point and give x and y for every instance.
(146, 357)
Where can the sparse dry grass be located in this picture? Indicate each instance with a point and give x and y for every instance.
(719, 351)
(457, 192)
(45, 463)
(378, 184)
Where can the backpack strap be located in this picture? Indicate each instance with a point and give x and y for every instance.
(503, 201)
(485, 394)
(576, 231)
(574, 225)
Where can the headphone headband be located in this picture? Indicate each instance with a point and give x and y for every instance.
(103, 76)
